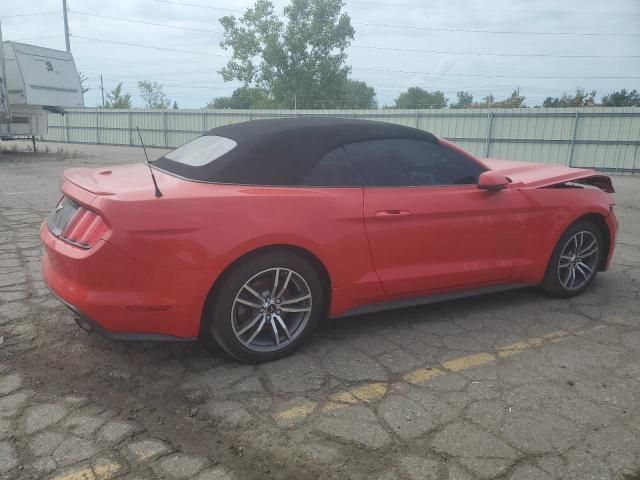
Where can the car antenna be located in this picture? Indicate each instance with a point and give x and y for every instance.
(155, 184)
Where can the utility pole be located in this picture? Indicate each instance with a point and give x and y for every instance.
(66, 25)
(4, 94)
(102, 90)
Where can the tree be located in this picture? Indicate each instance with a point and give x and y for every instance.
(117, 99)
(514, 101)
(299, 59)
(84, 82)
(487, 101)
(465, 100)
(622, 98)
(243, 98)
(153, 95)
(175, 105)
(582, 98)
(416, 97)
(359, 95)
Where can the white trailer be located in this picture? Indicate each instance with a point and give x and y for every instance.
(34, 81)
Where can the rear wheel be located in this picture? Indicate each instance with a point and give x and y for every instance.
(575, 260)
(266, 306)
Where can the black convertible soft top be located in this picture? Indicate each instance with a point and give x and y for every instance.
(283, 151)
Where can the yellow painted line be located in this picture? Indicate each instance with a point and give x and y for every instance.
(558, 334)
(422, 375)
(105, 471)
(85, 473)
(364, 393)
(470, 361)
(513, 349)
(375, 391)
(518, 347)
(101, 471)
(297, 411)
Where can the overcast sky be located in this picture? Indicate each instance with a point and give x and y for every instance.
(384, 28)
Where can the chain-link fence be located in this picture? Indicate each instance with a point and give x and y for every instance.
(603, 138)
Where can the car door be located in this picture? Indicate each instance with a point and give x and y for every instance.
(429, 227)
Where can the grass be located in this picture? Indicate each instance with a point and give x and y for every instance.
(59, 153)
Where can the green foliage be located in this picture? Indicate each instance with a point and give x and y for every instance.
(359, 95)
(153, 95)
(622, 98)
(299, 59)
(416, 97)
(514, 101)
(465, 100)
(117, 99)
(243, 97)
(582, 98)
(175, 105)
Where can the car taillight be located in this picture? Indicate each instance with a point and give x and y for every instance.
(85, 228)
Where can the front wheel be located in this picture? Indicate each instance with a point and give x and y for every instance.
(266, 306)
(575, 260)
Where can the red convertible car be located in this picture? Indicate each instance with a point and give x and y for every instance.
(259, 230)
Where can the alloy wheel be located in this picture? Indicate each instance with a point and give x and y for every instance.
(271, 309)
(578, 260)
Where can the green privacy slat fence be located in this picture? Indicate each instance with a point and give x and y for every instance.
(602, 138)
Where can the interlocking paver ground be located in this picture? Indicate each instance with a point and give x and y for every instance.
(514, 385)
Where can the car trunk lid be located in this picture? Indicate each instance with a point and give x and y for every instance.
(133, 178)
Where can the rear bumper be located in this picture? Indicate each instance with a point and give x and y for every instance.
(91, 326)
(119, 298)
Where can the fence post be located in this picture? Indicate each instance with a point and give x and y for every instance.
(487, 138)
(417, 118)
(164, 126)
(204, 122)
(130, 128)
(66, 126)
(97, 127)
(573, 138)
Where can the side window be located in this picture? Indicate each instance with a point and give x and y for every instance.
(333, 170)
(403, 163)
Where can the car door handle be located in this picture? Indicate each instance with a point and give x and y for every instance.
(392, 213)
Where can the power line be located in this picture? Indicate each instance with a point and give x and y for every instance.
(152, 47)
(536, 55)
(35, 38)
(619, 77)
(179, 27)
(496, 32)
(383, 70)
(536, 12)
(197, 5)
(30, 14)
(445, 29)
(429, 7)
(213, 84)
(487, 54)
(373, 46)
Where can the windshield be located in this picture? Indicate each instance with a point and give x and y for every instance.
(201, 150)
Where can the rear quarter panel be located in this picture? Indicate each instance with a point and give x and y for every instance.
(206, 227)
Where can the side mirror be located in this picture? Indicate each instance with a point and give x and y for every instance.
(491, 180)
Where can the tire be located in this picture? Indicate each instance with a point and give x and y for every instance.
(574, 252)
(251, 323)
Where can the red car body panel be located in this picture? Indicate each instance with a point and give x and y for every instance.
(153, 270)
